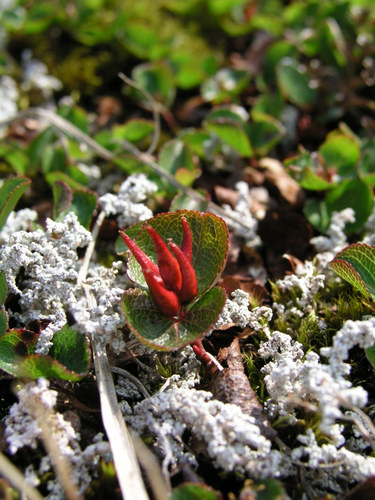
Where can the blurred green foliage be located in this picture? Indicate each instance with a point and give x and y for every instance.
(234, 80)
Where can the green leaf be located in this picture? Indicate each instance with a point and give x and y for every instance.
(178, 160)
(83, 205)
(194, 491)
(295, 83)
(265, 133)
(355, 194)
(231, 133)
(196, 139)
(133, 130)
(62, 198)
(3, 288)
(71, 350)
(81, 202)
(161, 332)
(3, 321)
(316, 212)
(370, 353)
(15, 345)
(69, 359)
(157, 79)
(210, 244)
(341, 152)
(10, 192)
(226, 85)
(312, 181)
(356, 264)
(17, 159)
(184, 202)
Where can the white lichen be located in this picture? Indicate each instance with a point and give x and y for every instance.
(336, 239)
(24, 430)
(127, 203)
(41, 267)
(242, 212)
(236, 312)
(231, 438)
(17, 221)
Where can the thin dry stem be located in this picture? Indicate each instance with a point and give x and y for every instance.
(17, 480)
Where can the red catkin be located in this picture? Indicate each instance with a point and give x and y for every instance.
(168, 266)
(189, 288)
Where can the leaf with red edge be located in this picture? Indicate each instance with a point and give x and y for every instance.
(165, 333)
(68, 358)
(356, 264)
(210, 244)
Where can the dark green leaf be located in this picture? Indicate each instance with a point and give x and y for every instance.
(71, 350)
(165, 333)
(3, 321)
(295, 83)
(355, 194)
(62, 198)
(226, 85)
(3, 288)
(10, 192)
(157, 79)
(210, 244)
(17, 355)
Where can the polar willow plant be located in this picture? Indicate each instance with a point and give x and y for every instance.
(179, 257)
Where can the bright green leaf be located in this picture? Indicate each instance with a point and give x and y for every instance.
(232, 134)
(134, 130)
(10, 192)
(341, 152)
(355, 194)
(194, 491)
(356, 264)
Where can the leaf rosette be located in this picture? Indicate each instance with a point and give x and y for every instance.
(152, 322)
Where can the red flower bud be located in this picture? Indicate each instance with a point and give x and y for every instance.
(173, 281)
(189, 288)
(165, 300)
(168, 266)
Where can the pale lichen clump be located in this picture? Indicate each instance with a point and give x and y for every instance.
(236, 311)
(41, 268)
(128, 204)
(232, 439)
(23, 429)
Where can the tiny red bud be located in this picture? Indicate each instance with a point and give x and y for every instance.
(168, 266)
(142, 259)
(165, 300)
(187, 241)
(189, 288)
